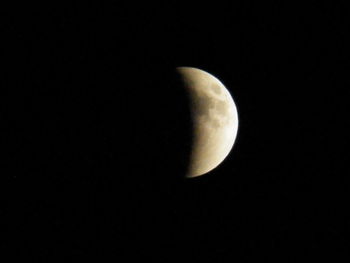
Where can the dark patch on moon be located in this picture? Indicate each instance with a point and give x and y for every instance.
(202, 103)
(222, 107)
(213, 109)
(216, 88)
(215, 122)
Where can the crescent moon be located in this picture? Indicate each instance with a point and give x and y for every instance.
(215, 120)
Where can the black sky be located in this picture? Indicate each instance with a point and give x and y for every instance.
(95, 132)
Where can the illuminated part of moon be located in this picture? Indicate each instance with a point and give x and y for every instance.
(215, 120)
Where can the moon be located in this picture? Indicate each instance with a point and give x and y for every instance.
(214, 117)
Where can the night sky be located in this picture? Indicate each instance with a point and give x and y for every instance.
(96, 133)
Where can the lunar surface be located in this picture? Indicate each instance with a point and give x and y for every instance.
(215, 120)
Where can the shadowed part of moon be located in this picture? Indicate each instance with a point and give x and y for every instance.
(214, 118)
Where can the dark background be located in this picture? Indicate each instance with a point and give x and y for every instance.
(95, 132)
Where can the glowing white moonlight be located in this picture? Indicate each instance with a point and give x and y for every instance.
(215, 120)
